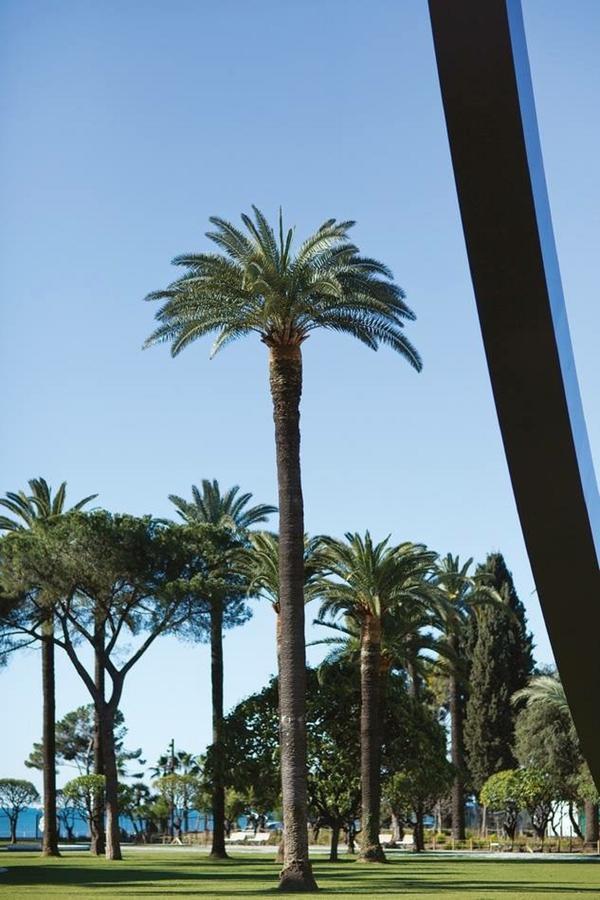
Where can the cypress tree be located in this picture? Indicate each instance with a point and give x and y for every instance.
(501, 661)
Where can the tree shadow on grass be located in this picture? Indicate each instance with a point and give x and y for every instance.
(251, 877)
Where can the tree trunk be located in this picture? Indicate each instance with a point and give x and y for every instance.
(335, 839)
(591, 822)
(457, 756)
(415, 692)
(13, 828)
(419, 831)
(350, 838)
(370, 739)
(50, 833)
(415, 682)
(113, 840)
(574, 822)
(98, 843)
(280, 857)
(216, 671)
(285, 373)
(397, 829)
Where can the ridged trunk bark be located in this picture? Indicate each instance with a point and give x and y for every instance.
(419, 830)
(216, 672)
(370, 739)
(285, 374)
(458, 759)
(591, 822)
(280, 856)
(98, 842)
(113, 841)
(50, 833)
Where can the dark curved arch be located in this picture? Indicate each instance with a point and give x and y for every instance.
(490, 116)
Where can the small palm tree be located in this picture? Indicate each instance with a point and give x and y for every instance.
(228, 510)
(29, 511)
(38, 506)
(369, 582)
(548, 691)
(179, 762)
(262, 570)
(545, 689)
(460, 595)
(405, 635)
(257, 285)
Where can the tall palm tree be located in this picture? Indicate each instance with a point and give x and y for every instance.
(547, 690)
(29, 511)
(461, 594)
(406, 633)
(258, 285)
(369, 582)
(228, 510)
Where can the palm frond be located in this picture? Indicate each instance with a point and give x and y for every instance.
(255, 285)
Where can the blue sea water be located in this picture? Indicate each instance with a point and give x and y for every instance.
(27, 826)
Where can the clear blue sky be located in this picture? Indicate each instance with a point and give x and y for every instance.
(125, 125)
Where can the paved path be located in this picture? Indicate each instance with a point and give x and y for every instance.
(321, 849)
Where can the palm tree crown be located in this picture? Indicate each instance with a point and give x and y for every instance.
(39, 505)
(228, 509)
(460, 594)
(406, 634)
(258, 285)
(261, 567)
(373, 578)
(546, 690)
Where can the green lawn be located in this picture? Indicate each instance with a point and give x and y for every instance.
(186, 875)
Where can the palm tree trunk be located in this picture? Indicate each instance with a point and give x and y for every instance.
(98, 843)
(591, 822)
(350, 836)
(285, 374)
(50, 833)
(415, 691)
(370, 739)
(218, 792)
(280, 856)
(457, 756)
(113, 840)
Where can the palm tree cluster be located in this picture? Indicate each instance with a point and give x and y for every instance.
(391, 607)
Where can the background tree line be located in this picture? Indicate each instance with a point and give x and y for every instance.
(409, 632)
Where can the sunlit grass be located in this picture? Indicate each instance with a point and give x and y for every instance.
(187, 874)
